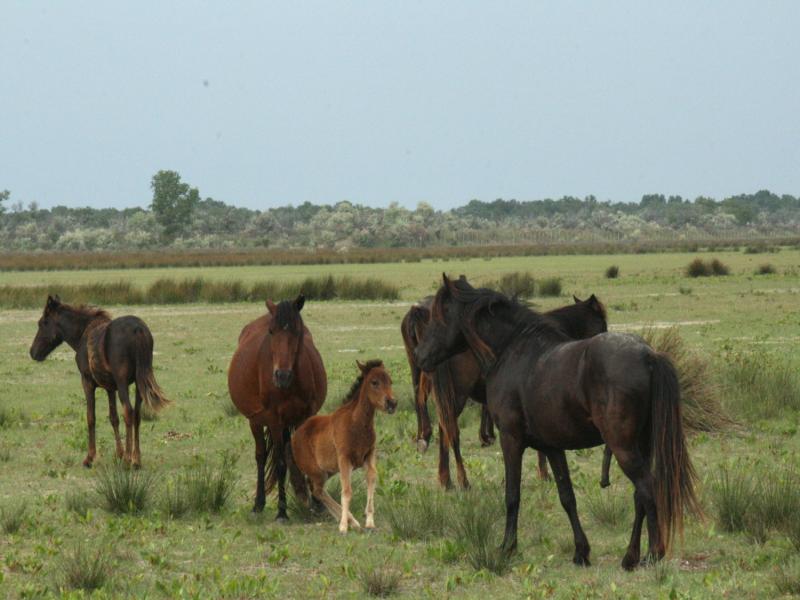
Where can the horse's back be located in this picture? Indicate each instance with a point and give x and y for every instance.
(621, 360)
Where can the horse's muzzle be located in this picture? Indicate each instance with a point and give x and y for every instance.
(391, 405)
(283, 378)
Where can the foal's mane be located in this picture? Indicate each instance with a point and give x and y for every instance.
(88, 311)
(354, 389)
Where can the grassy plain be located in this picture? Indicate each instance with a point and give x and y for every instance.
(234, 554)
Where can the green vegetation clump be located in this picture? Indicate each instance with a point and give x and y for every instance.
(85, 568)
(700, 268)
(549, 286)
(759, 385)
(123, 489)
(12, 516)
(765, 269)
(379, 580)
(612, 272)
(517, 284)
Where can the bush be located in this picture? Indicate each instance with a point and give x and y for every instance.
(698, 268)
(516, 285)
(718, 268)
(550, 286)
(765, 269)
(12, 516)
(700, 393)
(124, 490)
(612, 272)
(85, 568)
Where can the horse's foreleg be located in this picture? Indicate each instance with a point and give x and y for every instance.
(542, 466)
(558, 462)
(127, 415)
(486, 432)
(89, 390)
(372, 476)
(113, 416)
(462, 472)
(261, 461)
(136, 458)
(424, 429)
(345, 471)
(513, 450)
(604, 481)
(444, 462)
(281, 440)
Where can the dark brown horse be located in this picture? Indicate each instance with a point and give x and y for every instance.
(277, 380)
(459, 378)
(111, 354)
(553, 394)
(344, 441)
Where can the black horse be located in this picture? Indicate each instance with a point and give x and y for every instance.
(111, 354)
(459, 378)
(553, 394)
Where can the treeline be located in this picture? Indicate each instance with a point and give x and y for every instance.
(211, 224)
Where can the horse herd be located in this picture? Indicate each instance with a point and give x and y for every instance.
(550, 381)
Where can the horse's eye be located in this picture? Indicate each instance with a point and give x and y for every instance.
(375, 383)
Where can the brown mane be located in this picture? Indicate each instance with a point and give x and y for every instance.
(88, 311)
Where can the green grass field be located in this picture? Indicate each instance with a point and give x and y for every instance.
(233, 554)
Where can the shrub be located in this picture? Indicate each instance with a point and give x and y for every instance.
(718, 268)
(698, 268)
(700, 394)
(12, 516)
(550, 286)
(765, 269)
(201, 488)
(85, 568)
(379, 580)
(612, 272)
(419, 514)
(516, 284)
(124, 490)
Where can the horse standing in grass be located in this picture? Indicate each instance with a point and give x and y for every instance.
(459, 378)
(111, 354)
(277, 380)
(553, 394)
(344, 441)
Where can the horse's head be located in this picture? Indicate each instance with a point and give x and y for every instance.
(594, 319)
(285, 338)
(378, 385)
(443, 336)
(50, 334)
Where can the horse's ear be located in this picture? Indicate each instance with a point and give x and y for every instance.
(463, 278)
(445, 280)
(577, 300)
(361, 366)
(271, 307)
(299, 302)
(52, 302)
(595, 304)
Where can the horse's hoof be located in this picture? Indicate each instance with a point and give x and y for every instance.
(629, 563)
(258, 507)
(282, 519)
(87, 464)
(487, 442)
(604, 483)
(581, 561)
(422, 446)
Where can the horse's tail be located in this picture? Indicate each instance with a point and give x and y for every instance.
(673, 472)
(146, 384)
(445, 397)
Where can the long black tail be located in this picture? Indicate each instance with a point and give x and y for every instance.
(673, 472)
(146, 384)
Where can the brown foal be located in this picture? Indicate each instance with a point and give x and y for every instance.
(344, 441)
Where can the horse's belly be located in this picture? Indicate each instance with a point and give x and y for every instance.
(560, 422)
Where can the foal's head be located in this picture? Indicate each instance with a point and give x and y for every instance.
(285, 338)
(377, 385)
(50, 334)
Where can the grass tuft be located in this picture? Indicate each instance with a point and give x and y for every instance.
(77, 501)
(516, 284)
(12, 516)
(760, 385)
(474, 522)
(766, 269)
(550, 286)
(86, 569)
(786, 578)
(228, 408)
(700, 268)
(612, 272)
(610, 507)
(124, 490)
(379, 580)
(421, 513)
(201, 488)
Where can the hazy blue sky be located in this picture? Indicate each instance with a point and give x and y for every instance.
(261, 104)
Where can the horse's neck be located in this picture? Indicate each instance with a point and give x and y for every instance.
(508, 325)
(73, 327)
(363, 412)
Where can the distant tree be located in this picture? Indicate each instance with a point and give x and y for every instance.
(173, 202)
(4, 195)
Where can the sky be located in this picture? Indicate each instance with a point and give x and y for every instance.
(263, 104)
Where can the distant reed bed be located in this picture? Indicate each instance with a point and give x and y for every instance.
(184, 291)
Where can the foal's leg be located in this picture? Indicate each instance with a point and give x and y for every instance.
(541, 468)
(136, 459)
(345, 471)
(318, 491)
(513, 449)
(261, 461)
(558, 462)
(127, 414)
(113, 416)
(604, 481)
(486, 432)
(444, 462)
(372, 476)
(89, 389)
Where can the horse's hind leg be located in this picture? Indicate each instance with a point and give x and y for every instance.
(89, 391)
(604, 481)
(513, 450)
(444, 462)
(421, 389)
(136, 458)
(486, 432)
(541, 467)
(127, 415)
(462, 473)
(113, 416)
(261, 461)
(558, 462)
(317, 481)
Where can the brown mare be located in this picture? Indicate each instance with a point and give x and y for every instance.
(277, 380)
(344, 441)
(460, 378)
(111, 354)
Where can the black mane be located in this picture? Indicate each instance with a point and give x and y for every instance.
(288, 317)
(353, 393)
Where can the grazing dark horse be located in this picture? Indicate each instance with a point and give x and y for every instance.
(277, 380)
(459, 378)
(553, 394)
(111, 354)
(344, 441)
